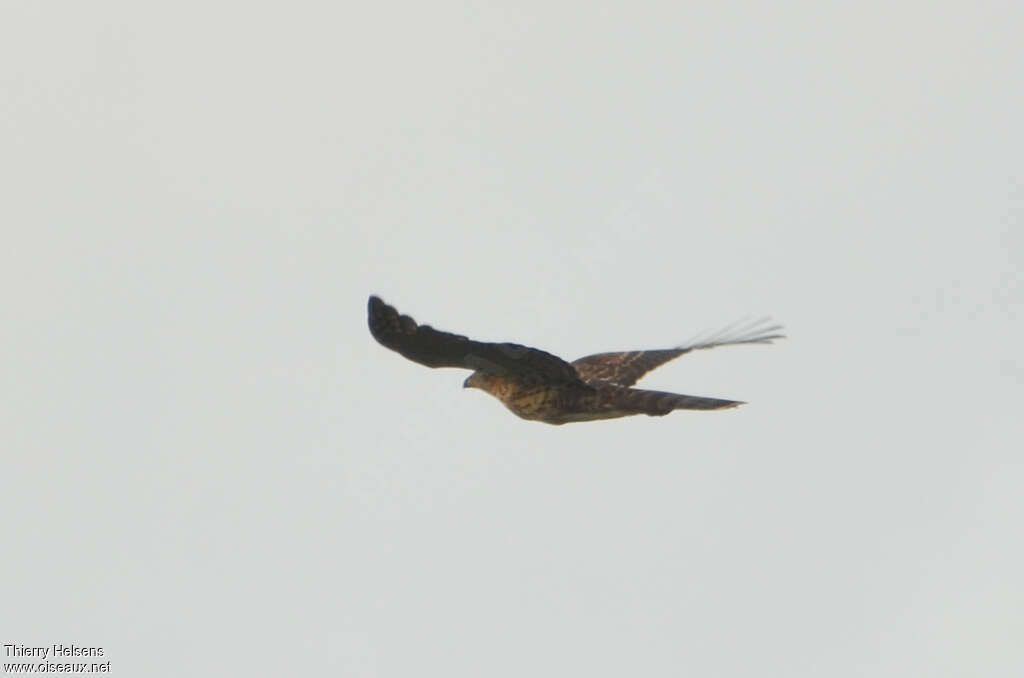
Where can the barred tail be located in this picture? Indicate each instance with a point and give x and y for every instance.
(659, 403)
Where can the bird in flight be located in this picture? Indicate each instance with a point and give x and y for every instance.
(536, 385)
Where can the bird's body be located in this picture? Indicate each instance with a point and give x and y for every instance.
(536, 385)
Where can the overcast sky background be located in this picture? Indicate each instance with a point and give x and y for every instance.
(210, 468)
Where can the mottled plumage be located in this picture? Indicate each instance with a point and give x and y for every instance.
(536, 385)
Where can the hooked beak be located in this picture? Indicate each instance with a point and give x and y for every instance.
(469, 381)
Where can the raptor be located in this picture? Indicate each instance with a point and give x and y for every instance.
(539, 386)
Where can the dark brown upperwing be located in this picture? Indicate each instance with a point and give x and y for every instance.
(433, 348)
(625, 368)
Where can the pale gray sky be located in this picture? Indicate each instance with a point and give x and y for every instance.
(210, 468)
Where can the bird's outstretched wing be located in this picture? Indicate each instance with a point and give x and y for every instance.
(626, 367)
(434, 348)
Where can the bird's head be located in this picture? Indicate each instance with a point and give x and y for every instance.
(474, 380)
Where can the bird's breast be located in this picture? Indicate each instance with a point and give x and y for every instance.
(529, 402)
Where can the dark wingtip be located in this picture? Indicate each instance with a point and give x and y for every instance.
(377, 308)
(387, 325)
(377, 315)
